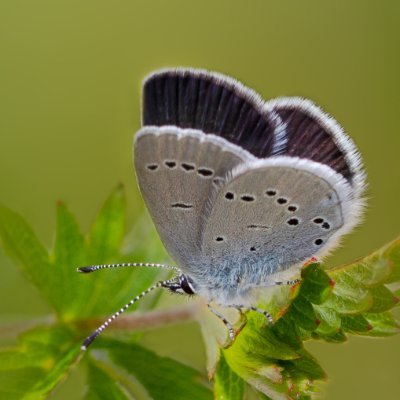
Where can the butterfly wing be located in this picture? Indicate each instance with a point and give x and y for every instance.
(176, 170)
(274, 214)
(286, 144)
(308, 132)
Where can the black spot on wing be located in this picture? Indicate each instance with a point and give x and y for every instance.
(183, 206)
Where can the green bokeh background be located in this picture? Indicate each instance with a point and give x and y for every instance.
(70, 75)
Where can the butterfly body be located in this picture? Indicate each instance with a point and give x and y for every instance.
(242, 191)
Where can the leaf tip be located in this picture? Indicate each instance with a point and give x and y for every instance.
(281, 312)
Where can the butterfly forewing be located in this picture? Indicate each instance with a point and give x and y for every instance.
(177, 171)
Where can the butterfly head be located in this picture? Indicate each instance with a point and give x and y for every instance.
(181, 285)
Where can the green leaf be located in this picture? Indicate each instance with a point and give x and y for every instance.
(355, 324)
(316, 285)
(273, 358)
(227, 384)
(383, 324)
(104, 292)
(349, 296)
(382, 299)
(108, 229)
(69, 252)
(328, 305)
(329, 320)
(23, 247)
(389, 256)
(102, 386)
(162, 377)
(38, 364)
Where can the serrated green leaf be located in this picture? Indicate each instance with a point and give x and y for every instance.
(381, 266)
(104, 245)
(286, 330)
(335, 337)
(14, 383)
(329, 320)
(69, 252)
(348, 296)
(271, 358)
(39, 363)
(262, 342)
(108, 229)
(101, 386)
(162, 377)
(383, 299)
(120, 286)
(383, 324)
(304, 368)
(256, 357)
(355, 324)
(23, 247)
(302, 313)
(391, 254)
(316, 285)
(227, 384)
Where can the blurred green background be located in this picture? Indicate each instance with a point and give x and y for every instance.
(70, 76)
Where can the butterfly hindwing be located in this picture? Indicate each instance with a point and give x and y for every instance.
(273, 214)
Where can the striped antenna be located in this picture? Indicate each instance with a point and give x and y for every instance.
(89, 340)
(92, 268)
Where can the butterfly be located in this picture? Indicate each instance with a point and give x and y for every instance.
(242, 191)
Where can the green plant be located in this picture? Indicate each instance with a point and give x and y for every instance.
(326, 305)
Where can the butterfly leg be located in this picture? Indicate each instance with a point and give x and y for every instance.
(266, 314)
(226, 323)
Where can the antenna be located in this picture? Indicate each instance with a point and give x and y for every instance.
(89, 340)
(92, 268)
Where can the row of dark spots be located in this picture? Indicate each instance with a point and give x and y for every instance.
(202, 171)
(281, 200)
(320, 221)
(317, 242)
(244, 197)
(249, 198)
